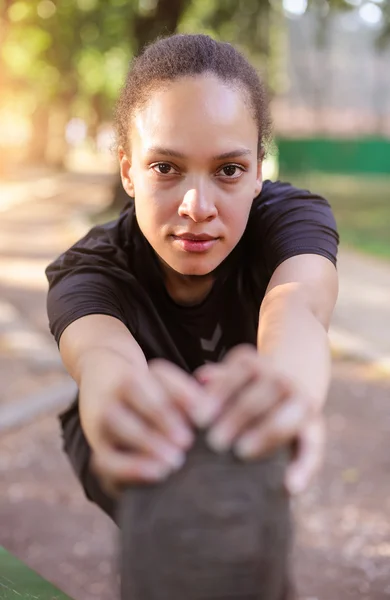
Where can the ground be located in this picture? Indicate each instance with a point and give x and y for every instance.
(342, 532)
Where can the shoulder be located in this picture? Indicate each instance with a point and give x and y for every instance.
(279, 196)
(105, 245)
(282, 203)
(286, 221)
(108, 237)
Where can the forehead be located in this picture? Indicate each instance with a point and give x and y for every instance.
(200, 112)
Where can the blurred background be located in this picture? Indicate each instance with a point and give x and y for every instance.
(326, 63)
(327, 67)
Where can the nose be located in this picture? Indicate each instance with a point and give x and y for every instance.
(198, 205)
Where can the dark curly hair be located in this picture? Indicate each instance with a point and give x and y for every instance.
(180, 55)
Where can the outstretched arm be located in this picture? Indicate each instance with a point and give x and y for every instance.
(274, 396)
(294, 319)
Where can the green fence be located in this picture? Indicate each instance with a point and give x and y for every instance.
(350, 157)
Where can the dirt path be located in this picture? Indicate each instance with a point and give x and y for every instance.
(40, 218)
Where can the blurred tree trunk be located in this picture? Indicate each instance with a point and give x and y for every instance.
(36, 152)
(4, 25)
(57, 147)
(97, 116)
(162, 20)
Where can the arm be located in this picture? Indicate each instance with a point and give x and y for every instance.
(294, 320)
(103, 344)
(279, 391)
(94, 336)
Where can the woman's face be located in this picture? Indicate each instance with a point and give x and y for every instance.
(193, 171)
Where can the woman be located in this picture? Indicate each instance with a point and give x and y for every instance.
(228, 280)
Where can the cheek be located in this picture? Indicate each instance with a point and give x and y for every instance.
(235, 213)
(151, 205)
(153, 214)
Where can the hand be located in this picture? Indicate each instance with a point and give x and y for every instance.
(256, 410)
(137, 422)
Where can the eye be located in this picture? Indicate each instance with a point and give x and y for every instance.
(164, 168)
(231, 171)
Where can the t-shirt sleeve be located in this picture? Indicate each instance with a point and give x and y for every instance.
(287, 221)
(86, 280)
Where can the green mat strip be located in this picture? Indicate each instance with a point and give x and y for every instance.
(18, 582)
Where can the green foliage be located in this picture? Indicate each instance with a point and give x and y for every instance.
(77, 52)
(245, 23)
(67, 48)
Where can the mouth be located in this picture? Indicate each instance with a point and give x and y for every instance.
(195, 237)
(194, 242)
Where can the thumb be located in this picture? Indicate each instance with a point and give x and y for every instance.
(308, 456)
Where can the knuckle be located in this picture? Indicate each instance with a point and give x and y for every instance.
(159, 366)
(250, 407)
(137, 432)
(131, 381)
(242, 353)
(109, 416)
(154, 401)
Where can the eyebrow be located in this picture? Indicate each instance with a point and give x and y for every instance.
(174, 153)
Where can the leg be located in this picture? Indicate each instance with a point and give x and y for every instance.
(218, 529)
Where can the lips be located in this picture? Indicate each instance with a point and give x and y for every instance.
(194, 242)
(195, 237)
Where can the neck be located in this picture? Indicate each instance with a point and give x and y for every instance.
(186, 289)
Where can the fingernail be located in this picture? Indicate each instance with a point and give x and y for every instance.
(203, 378)
(218, 440)
(245, 448)
(178, 460)
(174, 457)
(203, 414)
(183, 437)
(156, 471)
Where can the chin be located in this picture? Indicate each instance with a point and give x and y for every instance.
(194, 267)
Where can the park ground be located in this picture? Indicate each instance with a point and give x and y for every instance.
(342, 528)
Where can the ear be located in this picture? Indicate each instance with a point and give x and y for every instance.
(125, 171)
(259, 176)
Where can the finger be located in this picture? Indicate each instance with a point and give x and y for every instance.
(229, 378)
(308, 458)
(183, 390)
(116, 469)
(126, 430)
(146, 397)
(252, 404)
(278, 428)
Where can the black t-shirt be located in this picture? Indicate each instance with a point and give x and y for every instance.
(113, 270)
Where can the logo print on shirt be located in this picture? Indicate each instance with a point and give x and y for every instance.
(211, 344)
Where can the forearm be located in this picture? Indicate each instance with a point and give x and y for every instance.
(99, 352)
(296, 342)
(92, 337)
